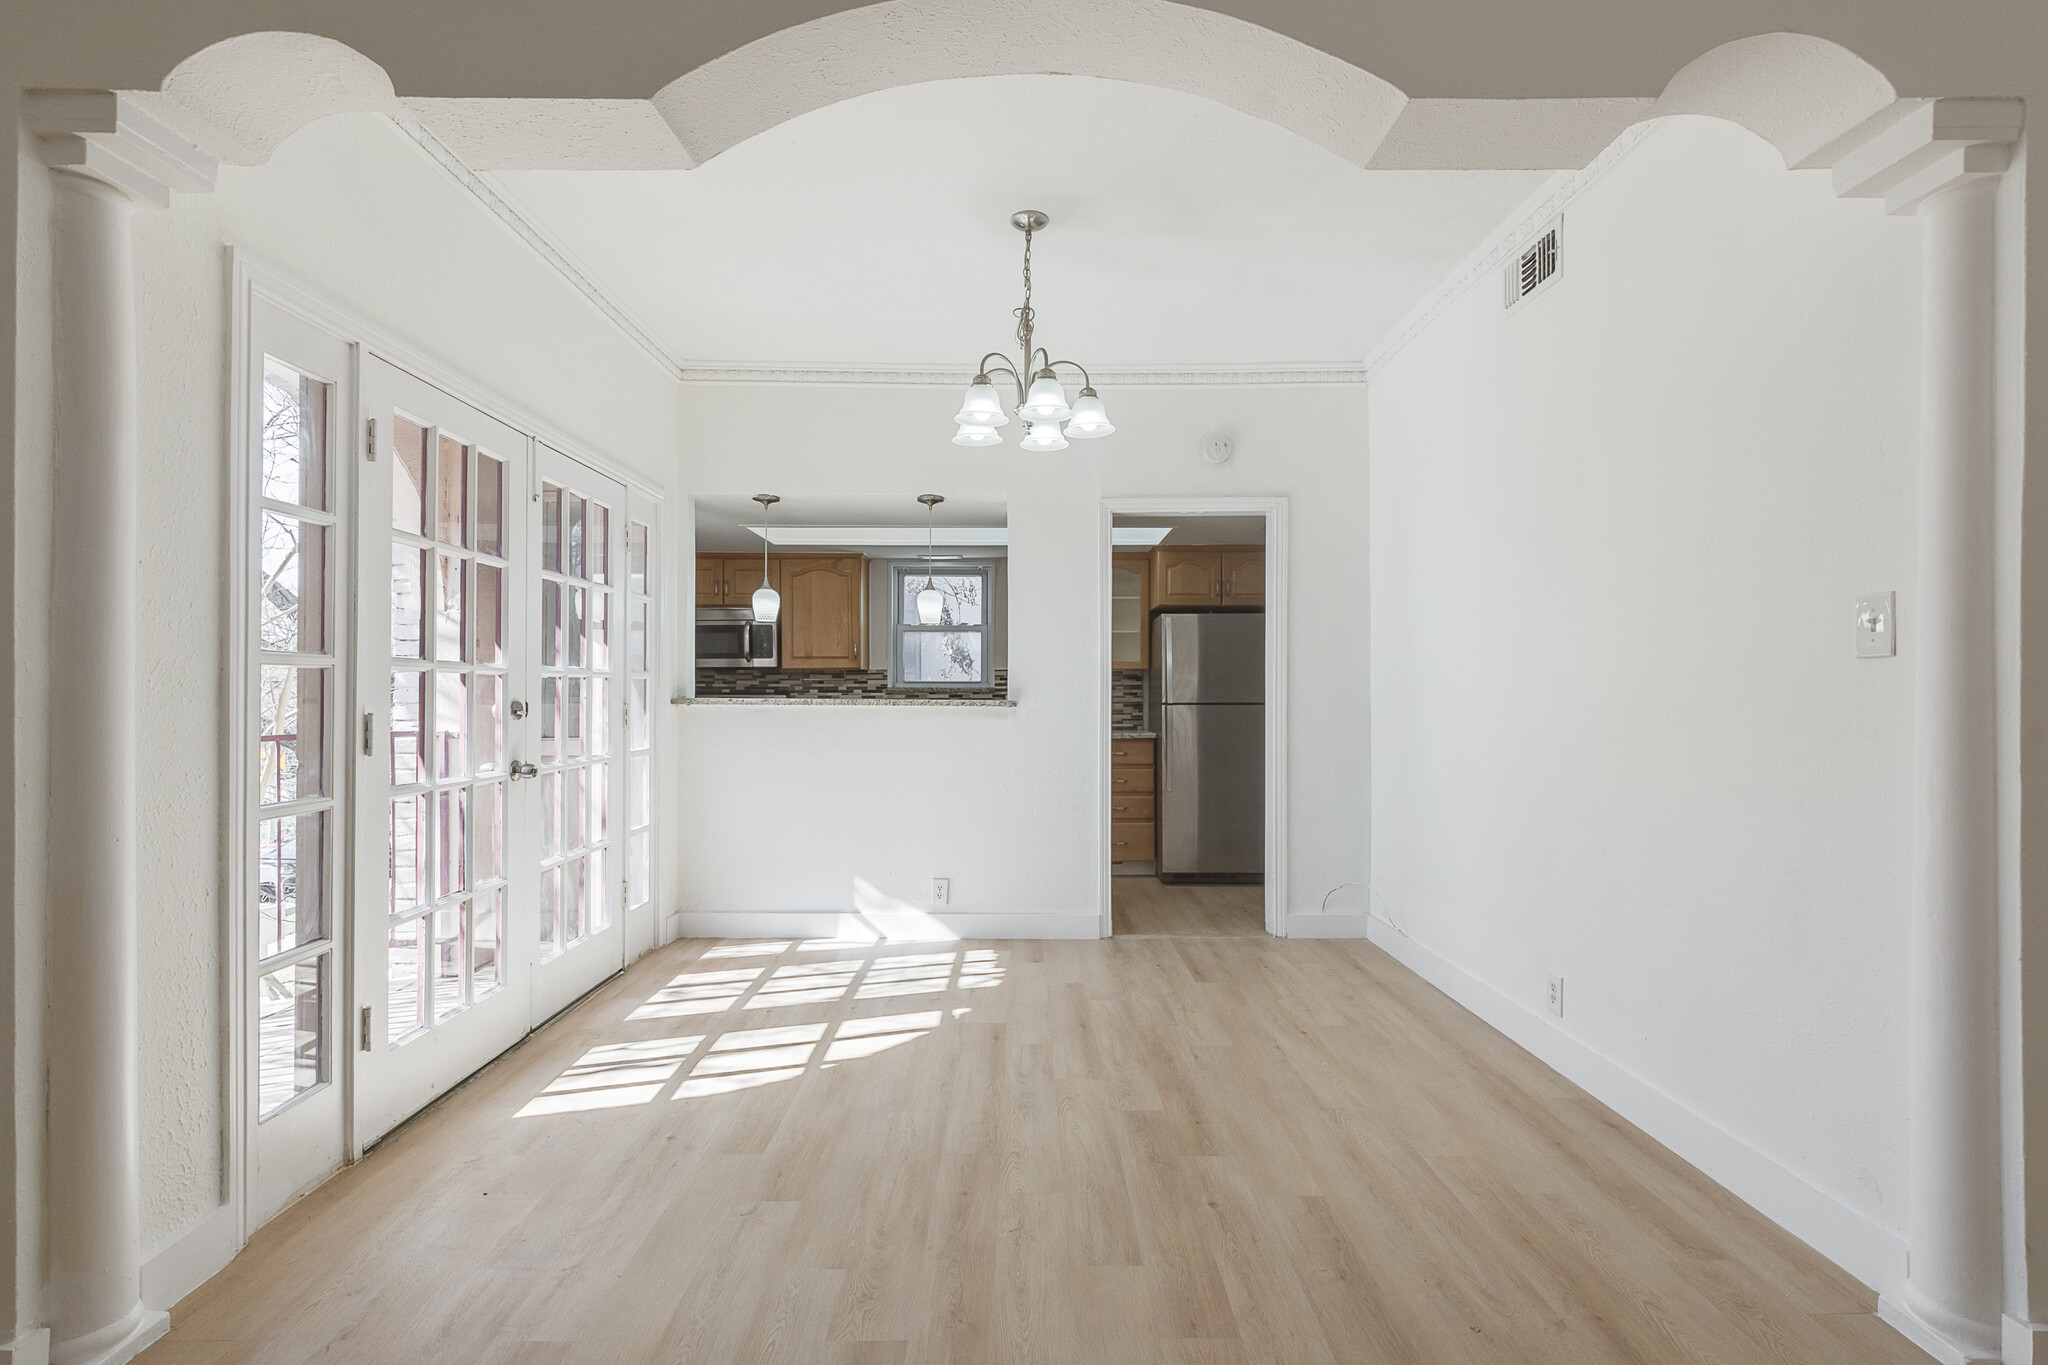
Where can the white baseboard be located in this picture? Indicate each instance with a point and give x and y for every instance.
(1327, 926)
(885, 926)
(1870, 1252)
(190, 1259)
(2025, 1343)
(1931, 1339)
(30, 1348)
(115, 1346)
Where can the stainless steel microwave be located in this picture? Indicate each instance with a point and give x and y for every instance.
(730, 637)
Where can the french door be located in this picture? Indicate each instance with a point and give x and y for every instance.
(580, 781)
(487, 888)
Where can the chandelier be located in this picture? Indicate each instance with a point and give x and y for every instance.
(1044, 407)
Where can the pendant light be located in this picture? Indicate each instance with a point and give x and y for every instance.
(767, 601)
(931, 603)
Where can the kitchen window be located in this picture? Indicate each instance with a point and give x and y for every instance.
(958, 650)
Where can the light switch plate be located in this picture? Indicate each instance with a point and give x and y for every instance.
(1877, 633)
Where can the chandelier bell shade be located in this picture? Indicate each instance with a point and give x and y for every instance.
(1043, 407)
(767, 601)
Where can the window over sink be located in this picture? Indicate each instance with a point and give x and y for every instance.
(956, 650)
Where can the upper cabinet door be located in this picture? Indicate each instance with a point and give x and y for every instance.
(710, 581)
(1130, 604)
(1185, 578)
(743, 575)
(824, 616)
(1242, 576)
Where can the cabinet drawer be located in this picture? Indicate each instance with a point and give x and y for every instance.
(1130, 805)
(1130, 841)
(1129, 780)
(1130, 753)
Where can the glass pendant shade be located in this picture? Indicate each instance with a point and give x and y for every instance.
(767, 604)
(1089, 419)
(971, 435)
(1047, 402)
(1043, 436)
(931, 605)
(983, 407)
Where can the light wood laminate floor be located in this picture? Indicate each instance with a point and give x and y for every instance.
(1146, 905)
(1156, 1150)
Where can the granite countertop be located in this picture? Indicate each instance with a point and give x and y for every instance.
(841, 701)
(1134, 734)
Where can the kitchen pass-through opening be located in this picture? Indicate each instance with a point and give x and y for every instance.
(1193, 593)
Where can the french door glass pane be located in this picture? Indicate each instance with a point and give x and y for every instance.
(408, 719)
(408, 852)
(290, 1019)
(408, 476)
(490, 831)
(572, 534)
(451, 840)
(638, 802)
(291, 740)
(486, 733)
(451, 725)
(405, 1001)
(448, 607)
(550, 912)
(487, 615)
(550, 624)
(598, 788)
(636, 714)
(408, 601)
(451, 502)
(551, 528)
(598, 630)
(290, 882)
(598, 732)
(636, 559)
(600, 541)
(294, 436)
(485, 935)
(451, 955)
(490, 504)
(292, 586)
(636, 637)
(550, 719)
(550, 815)
(597, 905)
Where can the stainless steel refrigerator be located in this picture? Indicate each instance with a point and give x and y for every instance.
(1208, 699)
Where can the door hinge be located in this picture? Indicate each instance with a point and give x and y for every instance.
(366, 1029)
(369, 734)
(370, 442)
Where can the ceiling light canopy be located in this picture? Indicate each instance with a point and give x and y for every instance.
(1045, 407)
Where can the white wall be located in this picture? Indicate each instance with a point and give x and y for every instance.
(354, 210)
(783, 808)
(1619, 733)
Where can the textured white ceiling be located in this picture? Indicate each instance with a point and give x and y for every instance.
(876, 232)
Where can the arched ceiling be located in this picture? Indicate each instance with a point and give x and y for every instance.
(875, 232)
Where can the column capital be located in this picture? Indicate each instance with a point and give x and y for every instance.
(104, 135)
(1936, 146)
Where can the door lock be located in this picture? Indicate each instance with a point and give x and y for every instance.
(520, 770)
(519, 710)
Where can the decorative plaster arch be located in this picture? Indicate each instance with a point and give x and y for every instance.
(1149, 42)
(243, 96)
(1799, 93)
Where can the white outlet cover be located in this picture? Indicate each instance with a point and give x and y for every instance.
(942, 890)
(1554, 1001)
(1877, 626)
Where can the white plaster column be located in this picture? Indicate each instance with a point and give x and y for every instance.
(107, 160)
(1941, 162)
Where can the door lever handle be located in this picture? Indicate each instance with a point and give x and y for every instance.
(520, 770)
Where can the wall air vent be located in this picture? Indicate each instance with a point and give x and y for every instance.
(1531, 269)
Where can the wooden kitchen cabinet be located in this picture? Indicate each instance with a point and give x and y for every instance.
(1132, 830)
(1209, 576)
(824, 611)
(730, 580)
(1130, 610)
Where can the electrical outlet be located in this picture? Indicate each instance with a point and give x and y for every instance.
(942, 890)
(1554, 1002)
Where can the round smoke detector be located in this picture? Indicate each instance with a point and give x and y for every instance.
(1218, 449)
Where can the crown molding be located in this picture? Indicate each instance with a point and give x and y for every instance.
(1486, 262)
(907, 376)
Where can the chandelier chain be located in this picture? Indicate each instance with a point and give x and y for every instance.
(1026, 318)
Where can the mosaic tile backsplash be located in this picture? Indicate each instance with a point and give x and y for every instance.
(1126, 700)
(831, 682)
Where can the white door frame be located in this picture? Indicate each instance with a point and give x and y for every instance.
(1274, 512)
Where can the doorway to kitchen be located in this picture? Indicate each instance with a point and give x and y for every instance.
(1194, 596)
